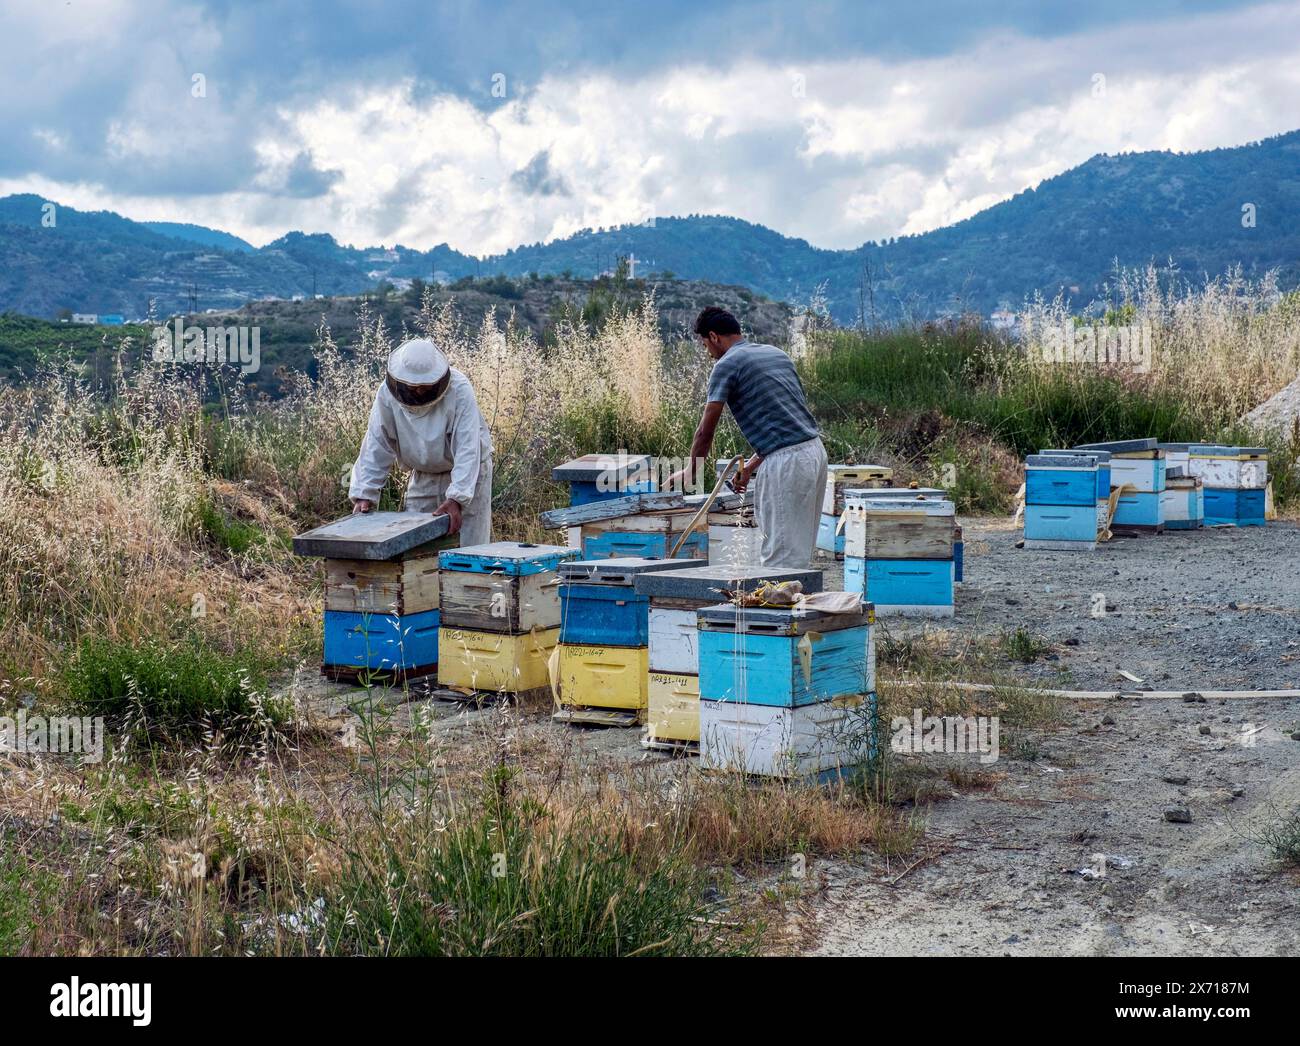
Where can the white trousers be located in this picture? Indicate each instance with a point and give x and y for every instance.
(788, 490)
(427, 490)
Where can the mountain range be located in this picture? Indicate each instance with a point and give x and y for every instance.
(1195, 213)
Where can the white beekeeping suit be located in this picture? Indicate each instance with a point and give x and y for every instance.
(425, 417)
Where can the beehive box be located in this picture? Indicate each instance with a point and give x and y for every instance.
(1061, 479)
(703, 585)
(840, 478)
(603, 677)
(405, 646)
(903, 587)
(499, 602)
(601, 477)
(1143, 470)
(786, 658)
(600, 606)
(673, 708)
(373, 535)
(495, 661)
(1061, 527)
(1139, 511)
(1183, 503)
(1239, 508)
(899, 528)
(830, 538)
(405, 585)
(644, 536)
(1229, 468)
(808, 740)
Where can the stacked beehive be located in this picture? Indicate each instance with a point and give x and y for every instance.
(1061, 500)
(839, 479)
(899, 554)
(601, 668)
(1182, 502)
(1139, 464)
(1235, 479)
(381, 594)
(603, 477)
(909, 493)
(675, 596)
(785, 693)
(1102, 457)
(500, 615)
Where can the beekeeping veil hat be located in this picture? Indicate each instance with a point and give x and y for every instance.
(418, 374)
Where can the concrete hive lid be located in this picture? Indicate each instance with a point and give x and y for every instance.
(617, 570)
(706, 583)
(590, 468)
(372, 535)
(777, 621)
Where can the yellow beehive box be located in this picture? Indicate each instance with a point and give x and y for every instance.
(603, 676)
(495, 661)
(674, 707)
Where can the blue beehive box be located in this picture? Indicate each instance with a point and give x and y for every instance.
(827, 539)
(602, 477)
(1057, 479)
(517, 559)
(783, 658)
(401, 643)
(635, 544)
(1242, 508)
(599, 605)
(922, 587)
(1141, 509)
(1061, 523)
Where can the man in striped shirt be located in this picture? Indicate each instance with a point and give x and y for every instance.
(761, 387)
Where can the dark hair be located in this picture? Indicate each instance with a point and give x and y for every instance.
(714, 320)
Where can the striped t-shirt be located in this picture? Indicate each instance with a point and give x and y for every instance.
(761, 387)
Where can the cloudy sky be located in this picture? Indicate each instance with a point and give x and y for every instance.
(486, 125)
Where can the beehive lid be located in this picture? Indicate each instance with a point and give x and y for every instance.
(372, 535)
(1102, 456)
(895, 492)
(617, 570)
(862, 471)
(1061, 461)
(615, 469)
(1123, 446)
(706, 583)
(613, 508)
(777, 621)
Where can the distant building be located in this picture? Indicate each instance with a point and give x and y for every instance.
(386, 255)
(112, 319)
(400, 283)
(85, 317)
(297, 297)
(1002, 320)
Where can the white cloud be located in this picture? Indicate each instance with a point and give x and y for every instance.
(852, 150)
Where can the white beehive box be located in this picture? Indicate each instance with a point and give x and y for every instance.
(674, 641)
(786, 742)
(899, 529)
(1229, 468)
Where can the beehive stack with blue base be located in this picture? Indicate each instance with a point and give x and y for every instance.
(912, 493)
(1103, 483)
(1061, 506)
(899, 554)
(675, 597)
(839, 479)
(500, 616)
(1236, 482)
(786, 693)
(603, 477)
(1138, 464)
(601, 662)
(381, 616)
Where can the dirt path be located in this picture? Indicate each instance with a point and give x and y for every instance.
(1006, 878)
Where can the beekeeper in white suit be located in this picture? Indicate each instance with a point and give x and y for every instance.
(425, 417)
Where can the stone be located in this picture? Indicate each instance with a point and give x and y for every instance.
(1178, 814)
